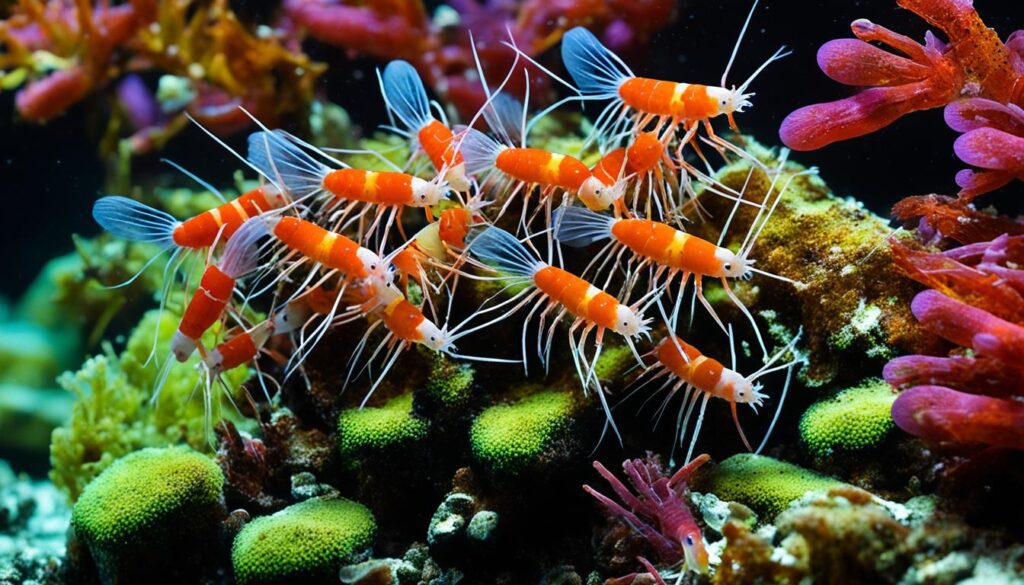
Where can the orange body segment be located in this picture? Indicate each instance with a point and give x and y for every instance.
(386, 188)
(207, 303)
(236, 351)
(668, 246)
(533, 165)
(666, 98)
(436, 141)
(403, 319)
(453, 226)
(328, 248)
(702, 372)
(201, 230)
(581, 298)
(644, 153)
(607, 169)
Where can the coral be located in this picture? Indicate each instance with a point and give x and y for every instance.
(415, 566)
(68, 50)
(110, 417)
(375, 433)
(441, 52)
(450, 519)
(853, 312)
(854, 419)
(954, 218)
(530, 434)
(306, 542)
(969, 397)
(660, 510)
(33, 526)
(449, 388)
(152, 511)
(973, 63)
(767, 485)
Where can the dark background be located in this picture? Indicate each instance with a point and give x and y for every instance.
(50, 175)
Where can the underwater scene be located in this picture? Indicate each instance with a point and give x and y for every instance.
(497, 292)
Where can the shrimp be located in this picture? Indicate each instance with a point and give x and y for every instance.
(281, 156)
(674, 252)
(645, 159)
(699, 377)
(601, 75)
(406, 99)
(238, 350)
(557, 289)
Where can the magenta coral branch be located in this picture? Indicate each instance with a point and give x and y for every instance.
(943, 415)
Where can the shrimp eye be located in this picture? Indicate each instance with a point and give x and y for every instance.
(728, 266)
(689, 540)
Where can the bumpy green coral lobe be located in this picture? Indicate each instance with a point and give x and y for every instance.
(155, 507)
(370, 431)
(854, 419)
(510, 438)
(766, 485)
(304, 543)
(110, 416)
(450, 383)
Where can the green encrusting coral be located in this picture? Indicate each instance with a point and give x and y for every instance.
(112, 415)
(307, 542)
(512, 438)
(153, 510)
(372, 432)
(450, 384)
(854, 419)
(765, 484)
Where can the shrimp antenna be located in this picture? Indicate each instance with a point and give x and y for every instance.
(739, 39)
(234, 152)
(202, 182)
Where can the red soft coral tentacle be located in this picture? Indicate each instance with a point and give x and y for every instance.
(940, 414)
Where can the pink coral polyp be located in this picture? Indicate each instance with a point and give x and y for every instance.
(946, 416)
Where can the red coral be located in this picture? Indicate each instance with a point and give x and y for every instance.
(972, 396)
(972, 63)
(954, 218)
(660, 510)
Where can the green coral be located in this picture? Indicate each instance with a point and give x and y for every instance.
(615, 361)
(512, 438)
(449, 386)
(304, 543)
(854, 419)
(368, 433)
(151, 511)
(112, 416)
(767, 485)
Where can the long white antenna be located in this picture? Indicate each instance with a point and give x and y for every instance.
(739, 39)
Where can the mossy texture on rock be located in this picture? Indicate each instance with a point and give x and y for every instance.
(153, 510)
(511, 438)
(854, 419)
(851, 304)
(767, 485)
(111, 416)
(450, 385)
(304, 543)
(370, 432)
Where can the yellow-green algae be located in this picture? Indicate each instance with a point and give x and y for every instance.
(450, 384)
(854, 419)
(764, 484)
(511, 438)
(372, 432)
(147, 505)
(849, 299)
(307, 542)
(112, 415)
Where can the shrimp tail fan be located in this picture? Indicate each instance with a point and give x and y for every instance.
(578, 227)
(242, 252)
(478, 150)
(504, 116)
(597, 71)
(130, 220)
(405, 95)
(500, 249)
(283, 161)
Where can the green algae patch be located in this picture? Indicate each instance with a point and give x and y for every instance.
(512, 438)
(153, 511)
(386, 430)
(764, 484)
(854, 419)
(450, 384)
(303, 543)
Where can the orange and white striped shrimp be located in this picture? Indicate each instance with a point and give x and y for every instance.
(601, 75)
(282, 156)
(672, 251)
(644, 161)
(406, 99)
(558, 290)
(685, 369)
